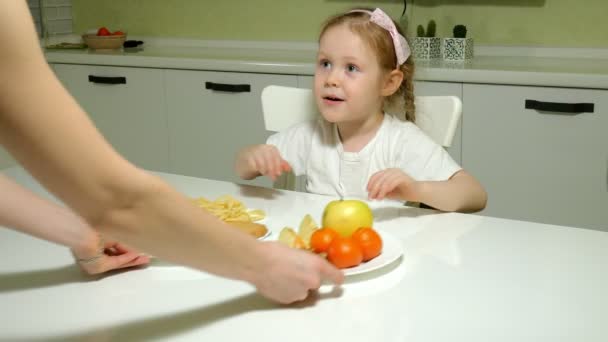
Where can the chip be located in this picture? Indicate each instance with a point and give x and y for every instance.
(229, 209)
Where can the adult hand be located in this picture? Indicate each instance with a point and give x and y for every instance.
(290, 274)
(394, 184)
(107, 256)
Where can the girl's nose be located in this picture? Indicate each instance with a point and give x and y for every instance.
(332, 79)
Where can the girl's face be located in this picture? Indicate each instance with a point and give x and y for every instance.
(348, 77)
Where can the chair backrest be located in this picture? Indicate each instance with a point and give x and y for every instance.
(437, 116)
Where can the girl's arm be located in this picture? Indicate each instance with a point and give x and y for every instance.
(50, 135)
(462, 193)
(256, 160)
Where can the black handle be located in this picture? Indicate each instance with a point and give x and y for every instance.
(570, 108)
(231, 88)
(107, 80)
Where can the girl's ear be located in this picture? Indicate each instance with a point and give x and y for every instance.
(392, 82)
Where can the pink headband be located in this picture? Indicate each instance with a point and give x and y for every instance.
(378, 17)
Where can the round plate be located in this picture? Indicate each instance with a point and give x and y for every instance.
(391, 250)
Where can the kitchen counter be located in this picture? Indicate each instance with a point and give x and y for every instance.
(461, 278)
(575, 70)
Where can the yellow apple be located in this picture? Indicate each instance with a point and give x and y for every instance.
(346, 216)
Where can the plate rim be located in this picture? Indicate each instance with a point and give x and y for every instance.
(386, 236)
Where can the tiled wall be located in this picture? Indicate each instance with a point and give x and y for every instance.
(55, 14)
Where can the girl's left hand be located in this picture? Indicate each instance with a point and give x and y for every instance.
(393, 184)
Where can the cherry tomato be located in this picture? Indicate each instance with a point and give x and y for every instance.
(369, 241)
(321, 239)
(103, 31)
(118, 33)
(344, 252)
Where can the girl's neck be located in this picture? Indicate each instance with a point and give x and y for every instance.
(356, 135)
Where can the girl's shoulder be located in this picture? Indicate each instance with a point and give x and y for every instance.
(396, 127)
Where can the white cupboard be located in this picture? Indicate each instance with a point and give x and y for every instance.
(545, 163)
(127, 105)
(211, 116)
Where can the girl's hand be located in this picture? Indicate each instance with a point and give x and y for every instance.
(393, 184)
(266, 160)
(107, 256)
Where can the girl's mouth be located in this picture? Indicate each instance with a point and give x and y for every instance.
(332, 99)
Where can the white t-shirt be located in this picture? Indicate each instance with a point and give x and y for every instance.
(314, 149)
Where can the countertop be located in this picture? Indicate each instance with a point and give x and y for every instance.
(461, 278)
(554, 69)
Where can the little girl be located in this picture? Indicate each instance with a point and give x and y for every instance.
(356, 149)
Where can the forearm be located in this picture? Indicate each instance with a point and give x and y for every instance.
(56, 142)
(168, 225)
(22, 210)
(461, 193)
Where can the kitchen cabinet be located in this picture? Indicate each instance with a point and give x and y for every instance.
(127, 105)
(422, 88)
(539, 165)
(211, 116)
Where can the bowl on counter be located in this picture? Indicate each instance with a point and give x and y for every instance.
(111, 42)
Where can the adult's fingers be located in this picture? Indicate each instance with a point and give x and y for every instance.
(331, 273)
(121, 261)
(138, 261)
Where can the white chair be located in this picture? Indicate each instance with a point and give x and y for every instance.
(437, 116)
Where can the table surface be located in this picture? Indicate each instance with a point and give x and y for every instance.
(461, 278)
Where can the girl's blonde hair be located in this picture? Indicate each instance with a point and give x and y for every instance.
(381, 42)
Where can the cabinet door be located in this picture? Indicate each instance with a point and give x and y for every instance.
(536, 165)
(207, 127)
(127, 105)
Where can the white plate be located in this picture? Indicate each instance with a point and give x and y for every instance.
(391, 251)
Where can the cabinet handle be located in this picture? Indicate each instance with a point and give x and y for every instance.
(231, 88)
(569, 108)
(107, 80)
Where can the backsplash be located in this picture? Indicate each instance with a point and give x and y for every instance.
(543, 23)
(54, 15)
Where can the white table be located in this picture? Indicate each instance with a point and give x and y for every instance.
(462, 278)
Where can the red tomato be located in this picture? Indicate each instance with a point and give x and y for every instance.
(103, 31)
(344, 252)
(118, 33)
(321, 239)
(370, 242)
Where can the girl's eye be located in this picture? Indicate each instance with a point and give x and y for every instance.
(352, 68)
(325, 64)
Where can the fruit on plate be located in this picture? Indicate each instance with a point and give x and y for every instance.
(307, 227)
(288, 237)
(344, 252)
(300, 240)
(346, 216)
(363, 245)
(321, 239)
(369, 241)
